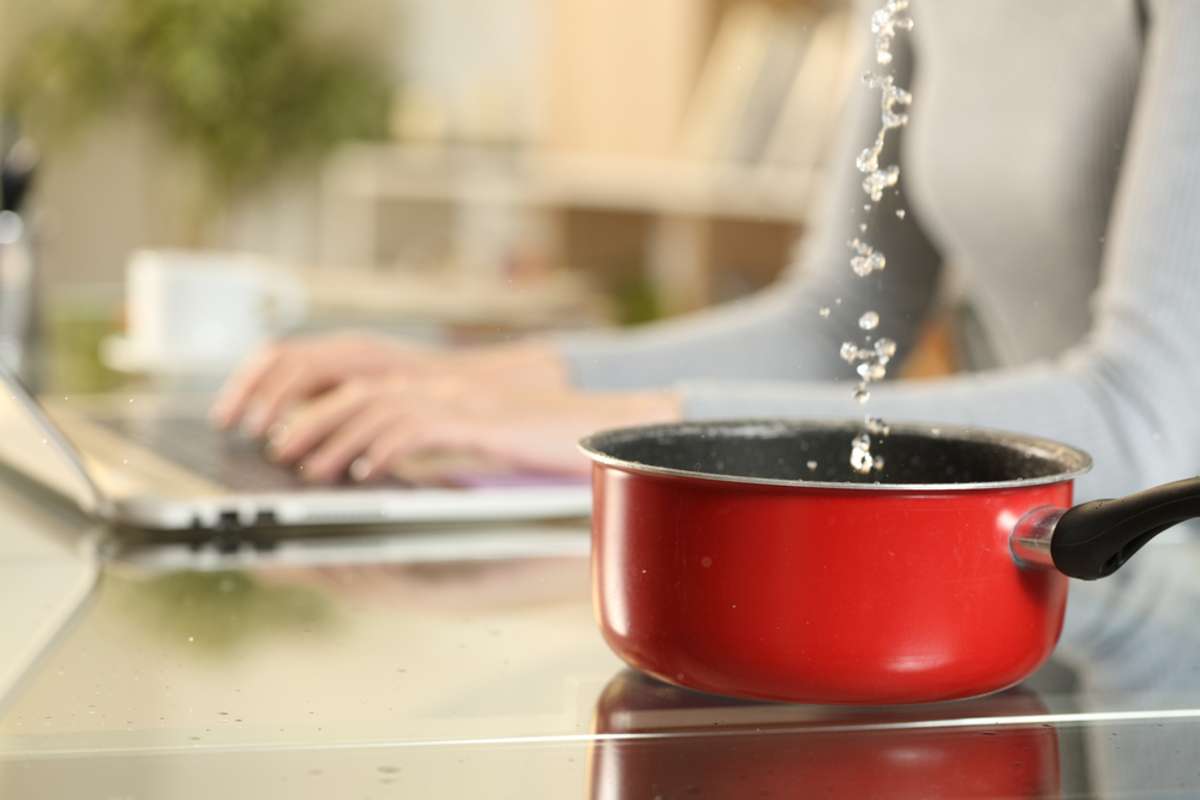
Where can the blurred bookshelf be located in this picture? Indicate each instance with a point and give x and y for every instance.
(680, 144)
(550, 164)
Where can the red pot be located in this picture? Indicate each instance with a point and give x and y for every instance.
(747, 559)
(660, 741)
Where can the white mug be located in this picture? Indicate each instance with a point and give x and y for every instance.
(205, 309)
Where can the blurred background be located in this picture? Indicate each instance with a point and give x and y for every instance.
(454, 170)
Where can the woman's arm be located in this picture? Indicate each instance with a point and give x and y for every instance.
(778, 334)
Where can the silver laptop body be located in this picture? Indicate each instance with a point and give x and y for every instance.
(155, 464)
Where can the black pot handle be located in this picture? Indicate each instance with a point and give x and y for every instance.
(1094, 539)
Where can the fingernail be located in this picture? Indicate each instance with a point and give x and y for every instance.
(360, 469)
(220, 413)
(255, 421)
(277, 440)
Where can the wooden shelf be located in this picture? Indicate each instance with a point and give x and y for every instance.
(654, 186)
(680, 200)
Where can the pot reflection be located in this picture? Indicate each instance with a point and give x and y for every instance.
(685, 744)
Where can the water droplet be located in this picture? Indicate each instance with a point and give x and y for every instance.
(877, 426)
(868, 321)
(871, 371)
(849, 352)
(824, 311)
(885, 22)
(860, 454)
(861, 394)
(901, 213)
(880, 179)
(885, 347)
(862, 227)
(867, 258)
(867, 161)
(864, 266)
(191, 638)
(811, 465)
(837, 301)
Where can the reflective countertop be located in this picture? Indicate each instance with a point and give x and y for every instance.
(447, 663)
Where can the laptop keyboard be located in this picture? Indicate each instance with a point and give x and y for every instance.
(228, 459)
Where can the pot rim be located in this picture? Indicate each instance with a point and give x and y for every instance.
(1075, 462)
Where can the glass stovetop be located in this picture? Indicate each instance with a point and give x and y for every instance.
(429, 664)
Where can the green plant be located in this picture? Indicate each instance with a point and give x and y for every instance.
(241, 84)
(637, 300)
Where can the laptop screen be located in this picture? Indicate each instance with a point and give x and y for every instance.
(32, 444)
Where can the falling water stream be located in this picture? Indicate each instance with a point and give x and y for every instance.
(870, 360)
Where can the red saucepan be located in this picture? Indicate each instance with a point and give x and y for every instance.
(747, 559)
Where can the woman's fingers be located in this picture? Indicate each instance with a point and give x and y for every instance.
(235, 395)
(416, 449)
(462, 441)
(430, 428)
(282, 374)
(332, 457)
(275, 379)
(311, 425)
(298, 379)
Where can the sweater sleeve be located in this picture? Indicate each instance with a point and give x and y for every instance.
(1128, 392)
(779, 334)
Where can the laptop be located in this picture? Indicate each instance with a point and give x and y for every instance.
(155, 464)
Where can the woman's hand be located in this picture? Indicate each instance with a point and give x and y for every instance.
(437, 430)
(289, 372)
